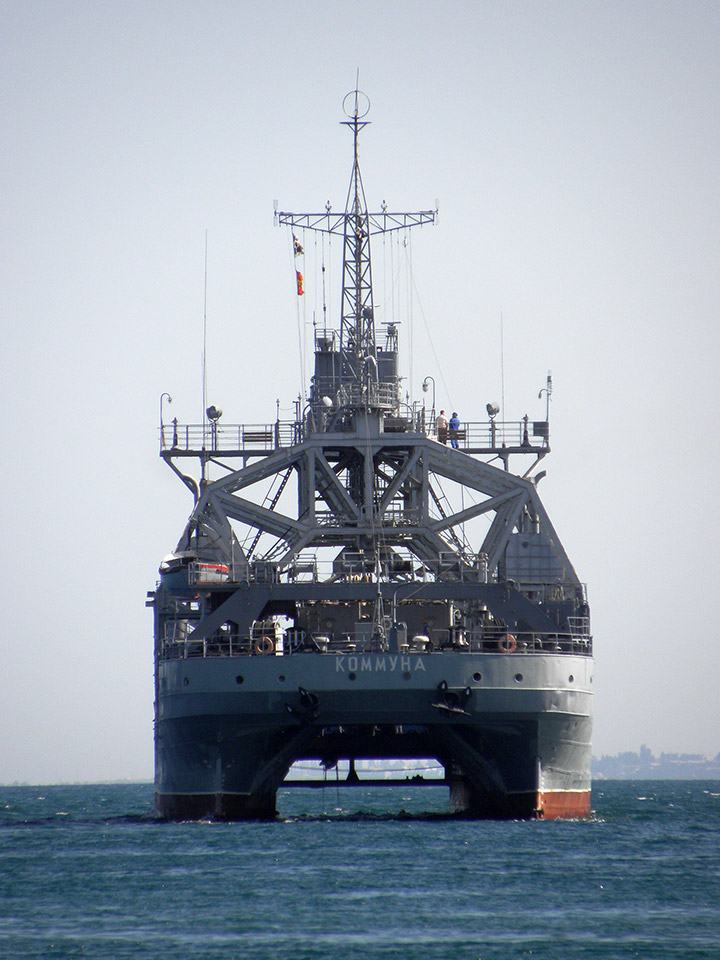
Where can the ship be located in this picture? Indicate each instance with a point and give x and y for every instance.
(368, 580)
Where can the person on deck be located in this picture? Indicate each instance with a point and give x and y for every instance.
(442, 427)
(454, 427)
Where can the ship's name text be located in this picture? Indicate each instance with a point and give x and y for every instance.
(378, 664)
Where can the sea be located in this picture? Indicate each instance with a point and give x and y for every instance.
(359, 873)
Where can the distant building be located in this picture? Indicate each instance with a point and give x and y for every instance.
(646, 766)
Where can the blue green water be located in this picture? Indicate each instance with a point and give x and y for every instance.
(89, 872)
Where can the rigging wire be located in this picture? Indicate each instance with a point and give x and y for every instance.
(203, 418)
(330, 271)
(384, 259)
(432, 345)
(392, 280)
(461, 540)
(299, 308)
(324, 291)
(502, 365)
(407, 245)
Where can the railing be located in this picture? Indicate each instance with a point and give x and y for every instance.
(543, 592)
(308, 567)
(372, 393)
(253, 437)
(491, 640)
(523, 434)
(263, 438)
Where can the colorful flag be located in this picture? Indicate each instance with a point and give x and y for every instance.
(300, 282)
(297, 246)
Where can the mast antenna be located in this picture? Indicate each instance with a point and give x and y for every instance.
(204, 360)
(357, 331)
(502, 365)
(356, 379)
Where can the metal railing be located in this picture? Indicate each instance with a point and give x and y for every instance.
(263, 438)
(490, 640)
(257, 437)
(308, 567)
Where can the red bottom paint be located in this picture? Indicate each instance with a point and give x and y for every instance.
(563, 804)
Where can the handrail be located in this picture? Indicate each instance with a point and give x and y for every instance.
(310, 567)
(490, 436)
(492, 640)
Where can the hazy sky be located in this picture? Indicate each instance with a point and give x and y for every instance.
(575, 152)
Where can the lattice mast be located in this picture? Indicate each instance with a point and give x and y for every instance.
(358, 351)
(357, 332)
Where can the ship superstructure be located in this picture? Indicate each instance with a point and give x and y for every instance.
(361, 582)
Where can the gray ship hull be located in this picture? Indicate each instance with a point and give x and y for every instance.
(512, 730)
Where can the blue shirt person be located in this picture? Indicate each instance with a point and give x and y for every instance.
(454, 427)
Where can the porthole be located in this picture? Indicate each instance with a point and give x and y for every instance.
(352, 676)
(281, 678)
(186, 682)
(571, 679)
(518, 678)
(406, 675)
(239, 679)
(477, 677)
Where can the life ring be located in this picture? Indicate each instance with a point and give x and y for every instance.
(507, 643)
(264, 646)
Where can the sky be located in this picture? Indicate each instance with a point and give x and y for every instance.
(574, 150)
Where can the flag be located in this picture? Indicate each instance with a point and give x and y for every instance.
(300, 282)
(297, 246)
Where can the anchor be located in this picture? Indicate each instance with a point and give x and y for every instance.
(451, 701)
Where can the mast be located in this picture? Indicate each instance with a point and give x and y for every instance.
(353, 380)
(357, 332)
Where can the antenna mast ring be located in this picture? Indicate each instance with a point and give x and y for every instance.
(360, 105)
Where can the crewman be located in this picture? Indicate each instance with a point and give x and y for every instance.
(454, 427)
(442, 427)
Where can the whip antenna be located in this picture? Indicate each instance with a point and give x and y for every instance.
(204, 357)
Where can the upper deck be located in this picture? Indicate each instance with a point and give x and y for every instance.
(490, 437)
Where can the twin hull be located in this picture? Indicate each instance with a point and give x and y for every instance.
(512, 730)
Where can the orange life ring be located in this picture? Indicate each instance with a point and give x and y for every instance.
(507, 643)
(264, 646)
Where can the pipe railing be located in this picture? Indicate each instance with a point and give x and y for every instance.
(491, 640)
(260, 438)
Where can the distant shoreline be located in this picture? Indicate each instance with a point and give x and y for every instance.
(643, 765)
(646, 766)
(597, 778)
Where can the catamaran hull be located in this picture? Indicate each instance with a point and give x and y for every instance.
(512, 731)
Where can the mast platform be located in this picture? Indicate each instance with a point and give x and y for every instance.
(483, 438)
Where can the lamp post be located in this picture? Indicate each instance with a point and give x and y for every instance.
(493, 410)
(213, 414)
(547, 390)
(162, 425)
(426, 386)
